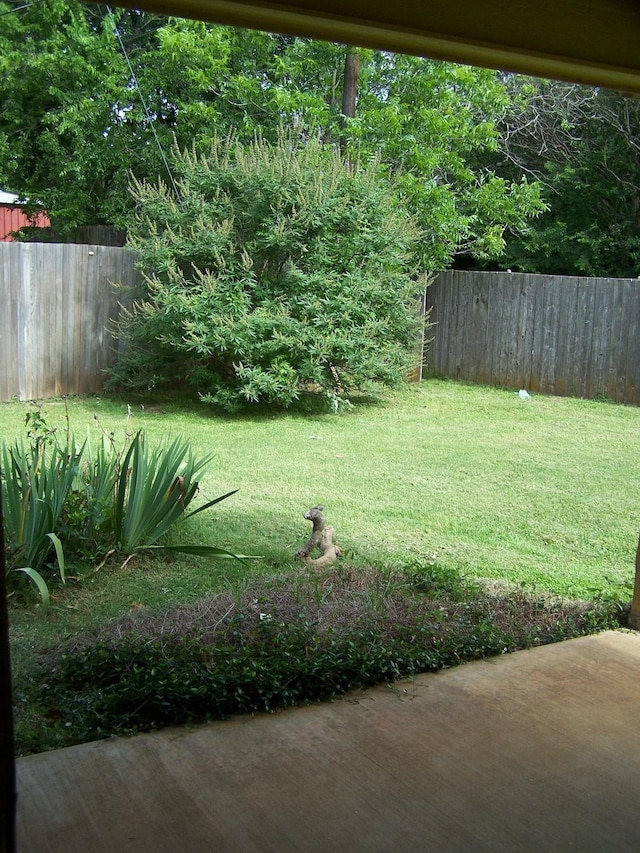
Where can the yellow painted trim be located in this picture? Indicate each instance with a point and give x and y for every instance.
(592, 41)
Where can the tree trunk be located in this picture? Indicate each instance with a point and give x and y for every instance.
(349, 96)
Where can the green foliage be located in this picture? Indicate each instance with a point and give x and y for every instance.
(154, 488)
(62, 81)
(434, 124)
(427, 576)
(583, 145)
(83, 504)
(72, 143)
(275, 270)
(88, 517)
(140, 683)
(36, 483)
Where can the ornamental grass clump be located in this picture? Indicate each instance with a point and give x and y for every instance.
(36, 483)
(67, 503)
(154, 487)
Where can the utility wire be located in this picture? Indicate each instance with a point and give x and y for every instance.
(133, 77)
(143, 102)
(17, 9)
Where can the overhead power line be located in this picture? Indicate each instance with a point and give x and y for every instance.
(147, 112)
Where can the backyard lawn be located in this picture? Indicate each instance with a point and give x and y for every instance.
(461, 480)
(541, 492)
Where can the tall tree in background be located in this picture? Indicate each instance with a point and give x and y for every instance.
(349, 97)
(78, 118)
(583, 145)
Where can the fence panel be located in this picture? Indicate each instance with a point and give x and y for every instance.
(57, 301)
(557, 335)
(553, 334)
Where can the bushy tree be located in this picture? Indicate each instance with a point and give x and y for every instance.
(73, 125)
(90, 95)
(583, 146)
(67, 103)
(273, 270)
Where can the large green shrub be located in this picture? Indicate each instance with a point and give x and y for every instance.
(274, 269)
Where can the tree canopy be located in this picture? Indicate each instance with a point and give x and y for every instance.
(583, 146)
(91, 97)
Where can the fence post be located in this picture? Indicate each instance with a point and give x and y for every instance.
(634, 616)
(7, 751)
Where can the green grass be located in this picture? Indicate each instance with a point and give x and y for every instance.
(541, 492)
(467, 480)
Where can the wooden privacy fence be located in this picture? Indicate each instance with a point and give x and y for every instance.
(56, 304)
(561, 335)
(557, 335)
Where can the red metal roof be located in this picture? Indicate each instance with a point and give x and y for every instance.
(13, 218)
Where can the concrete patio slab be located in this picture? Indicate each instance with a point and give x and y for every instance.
(534, 751)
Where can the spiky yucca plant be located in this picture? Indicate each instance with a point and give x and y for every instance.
(37, 481)
(109, 501)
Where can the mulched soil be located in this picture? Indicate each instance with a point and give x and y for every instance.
(343, 598)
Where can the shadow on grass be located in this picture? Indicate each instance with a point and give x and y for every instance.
(176, 402)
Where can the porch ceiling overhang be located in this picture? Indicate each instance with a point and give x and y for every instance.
(587, 41)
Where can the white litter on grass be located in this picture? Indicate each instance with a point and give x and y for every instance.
(524, 395)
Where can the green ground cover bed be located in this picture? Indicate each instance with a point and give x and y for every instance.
(288, 640)
(472, 523)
